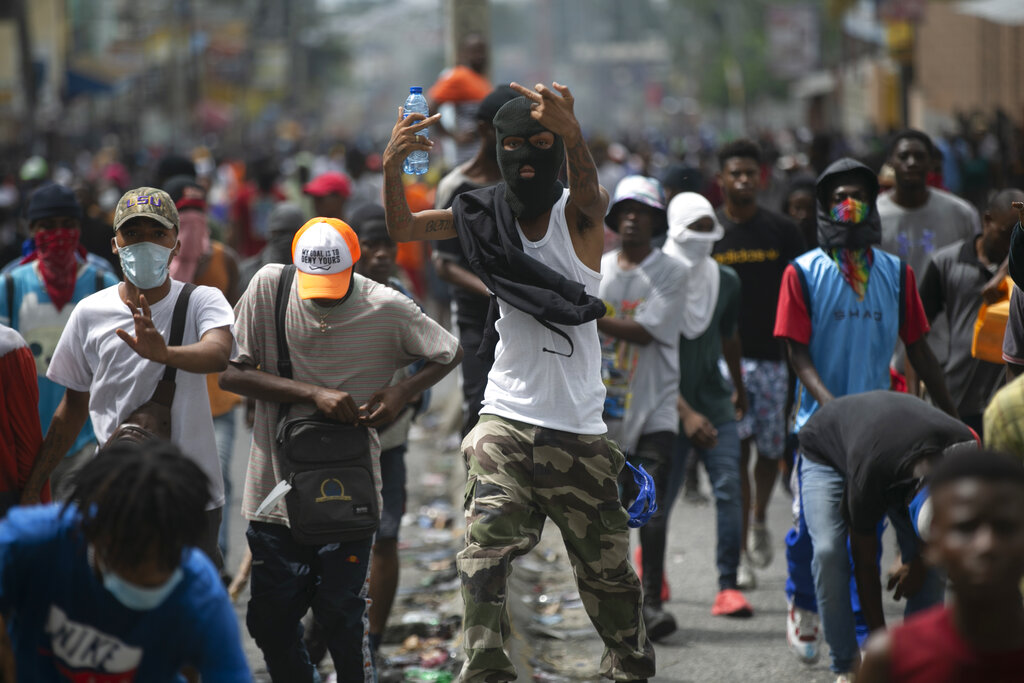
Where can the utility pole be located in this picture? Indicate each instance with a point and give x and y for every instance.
(28, 74)
(465, 17)
(296, 13)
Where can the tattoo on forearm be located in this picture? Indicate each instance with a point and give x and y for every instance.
(439, 225)
(583, 182)
(396, 208)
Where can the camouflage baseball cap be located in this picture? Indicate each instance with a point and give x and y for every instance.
(148, 202)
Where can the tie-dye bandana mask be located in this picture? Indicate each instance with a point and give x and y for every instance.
(850, 210)
(855, 265)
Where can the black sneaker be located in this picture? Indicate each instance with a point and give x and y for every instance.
(659, 622)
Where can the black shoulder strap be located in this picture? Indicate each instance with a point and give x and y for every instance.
(178, 325)
(9, 286)
(284, 288)
(99, 280)
(284, 360)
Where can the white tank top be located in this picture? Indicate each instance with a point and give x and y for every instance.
(535, 386)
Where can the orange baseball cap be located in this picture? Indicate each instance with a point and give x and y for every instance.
(324, 251)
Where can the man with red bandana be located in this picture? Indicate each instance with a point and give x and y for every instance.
(37, 297)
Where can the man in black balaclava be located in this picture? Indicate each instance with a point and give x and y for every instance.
(537, 248)
(470, 296)
(530, 194)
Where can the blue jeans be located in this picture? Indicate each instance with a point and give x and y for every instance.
(224, 434)
(821, 491)
(800, 555)
(723, 465)
(287, 579)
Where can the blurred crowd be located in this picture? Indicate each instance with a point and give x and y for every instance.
(985, 151)
(746, 304)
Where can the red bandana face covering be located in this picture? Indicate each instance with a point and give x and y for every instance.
(56, 249)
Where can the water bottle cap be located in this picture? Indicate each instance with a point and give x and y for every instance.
(416, 90)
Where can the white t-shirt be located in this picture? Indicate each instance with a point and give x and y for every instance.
(643, 380)
(535, 386)
(91, 357)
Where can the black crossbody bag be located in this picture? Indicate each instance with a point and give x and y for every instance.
(152, 420)
(328, 464)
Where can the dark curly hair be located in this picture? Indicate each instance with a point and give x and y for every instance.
(141, 501)
(970, 463)
(743, 148)
(910, 134)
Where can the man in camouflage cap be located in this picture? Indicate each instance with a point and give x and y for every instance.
(148, 202)
(114, 350)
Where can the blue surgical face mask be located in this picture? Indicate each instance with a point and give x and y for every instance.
(145, 264)
(140, 598)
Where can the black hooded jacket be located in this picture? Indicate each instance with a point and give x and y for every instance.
(833, 234)
(487, 233)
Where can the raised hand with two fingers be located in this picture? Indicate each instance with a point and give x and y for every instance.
(552, 110)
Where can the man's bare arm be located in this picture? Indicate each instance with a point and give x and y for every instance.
(67, 422)
(209, 354)
(403, 225)
(588, 201)
(803, 366)
(624, 329)
(920, 356)
(732, 352)
(454, 274)
(864, 551)
(585, 192)
(254, 383)
(385, 405)
(877, 659)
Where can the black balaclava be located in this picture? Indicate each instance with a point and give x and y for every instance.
(833, 234)
(527, 197)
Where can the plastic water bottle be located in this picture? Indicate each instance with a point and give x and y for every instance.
(417, 162)
(418, 674)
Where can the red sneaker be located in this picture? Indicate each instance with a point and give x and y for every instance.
(638, 564)
(731, 603)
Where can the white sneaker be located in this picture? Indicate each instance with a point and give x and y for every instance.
(759, 545)
(745, 577)
(803, 633)
(846, 677)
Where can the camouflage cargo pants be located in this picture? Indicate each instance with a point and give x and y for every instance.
(518, 475)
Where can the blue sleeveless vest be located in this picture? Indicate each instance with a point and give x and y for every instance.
(851, 341)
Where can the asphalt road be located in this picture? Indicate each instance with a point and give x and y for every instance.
(705, 648)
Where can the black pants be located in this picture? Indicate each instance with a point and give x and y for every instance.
(209, 543)
(287, 579)
(654, 452)
(474, 374)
